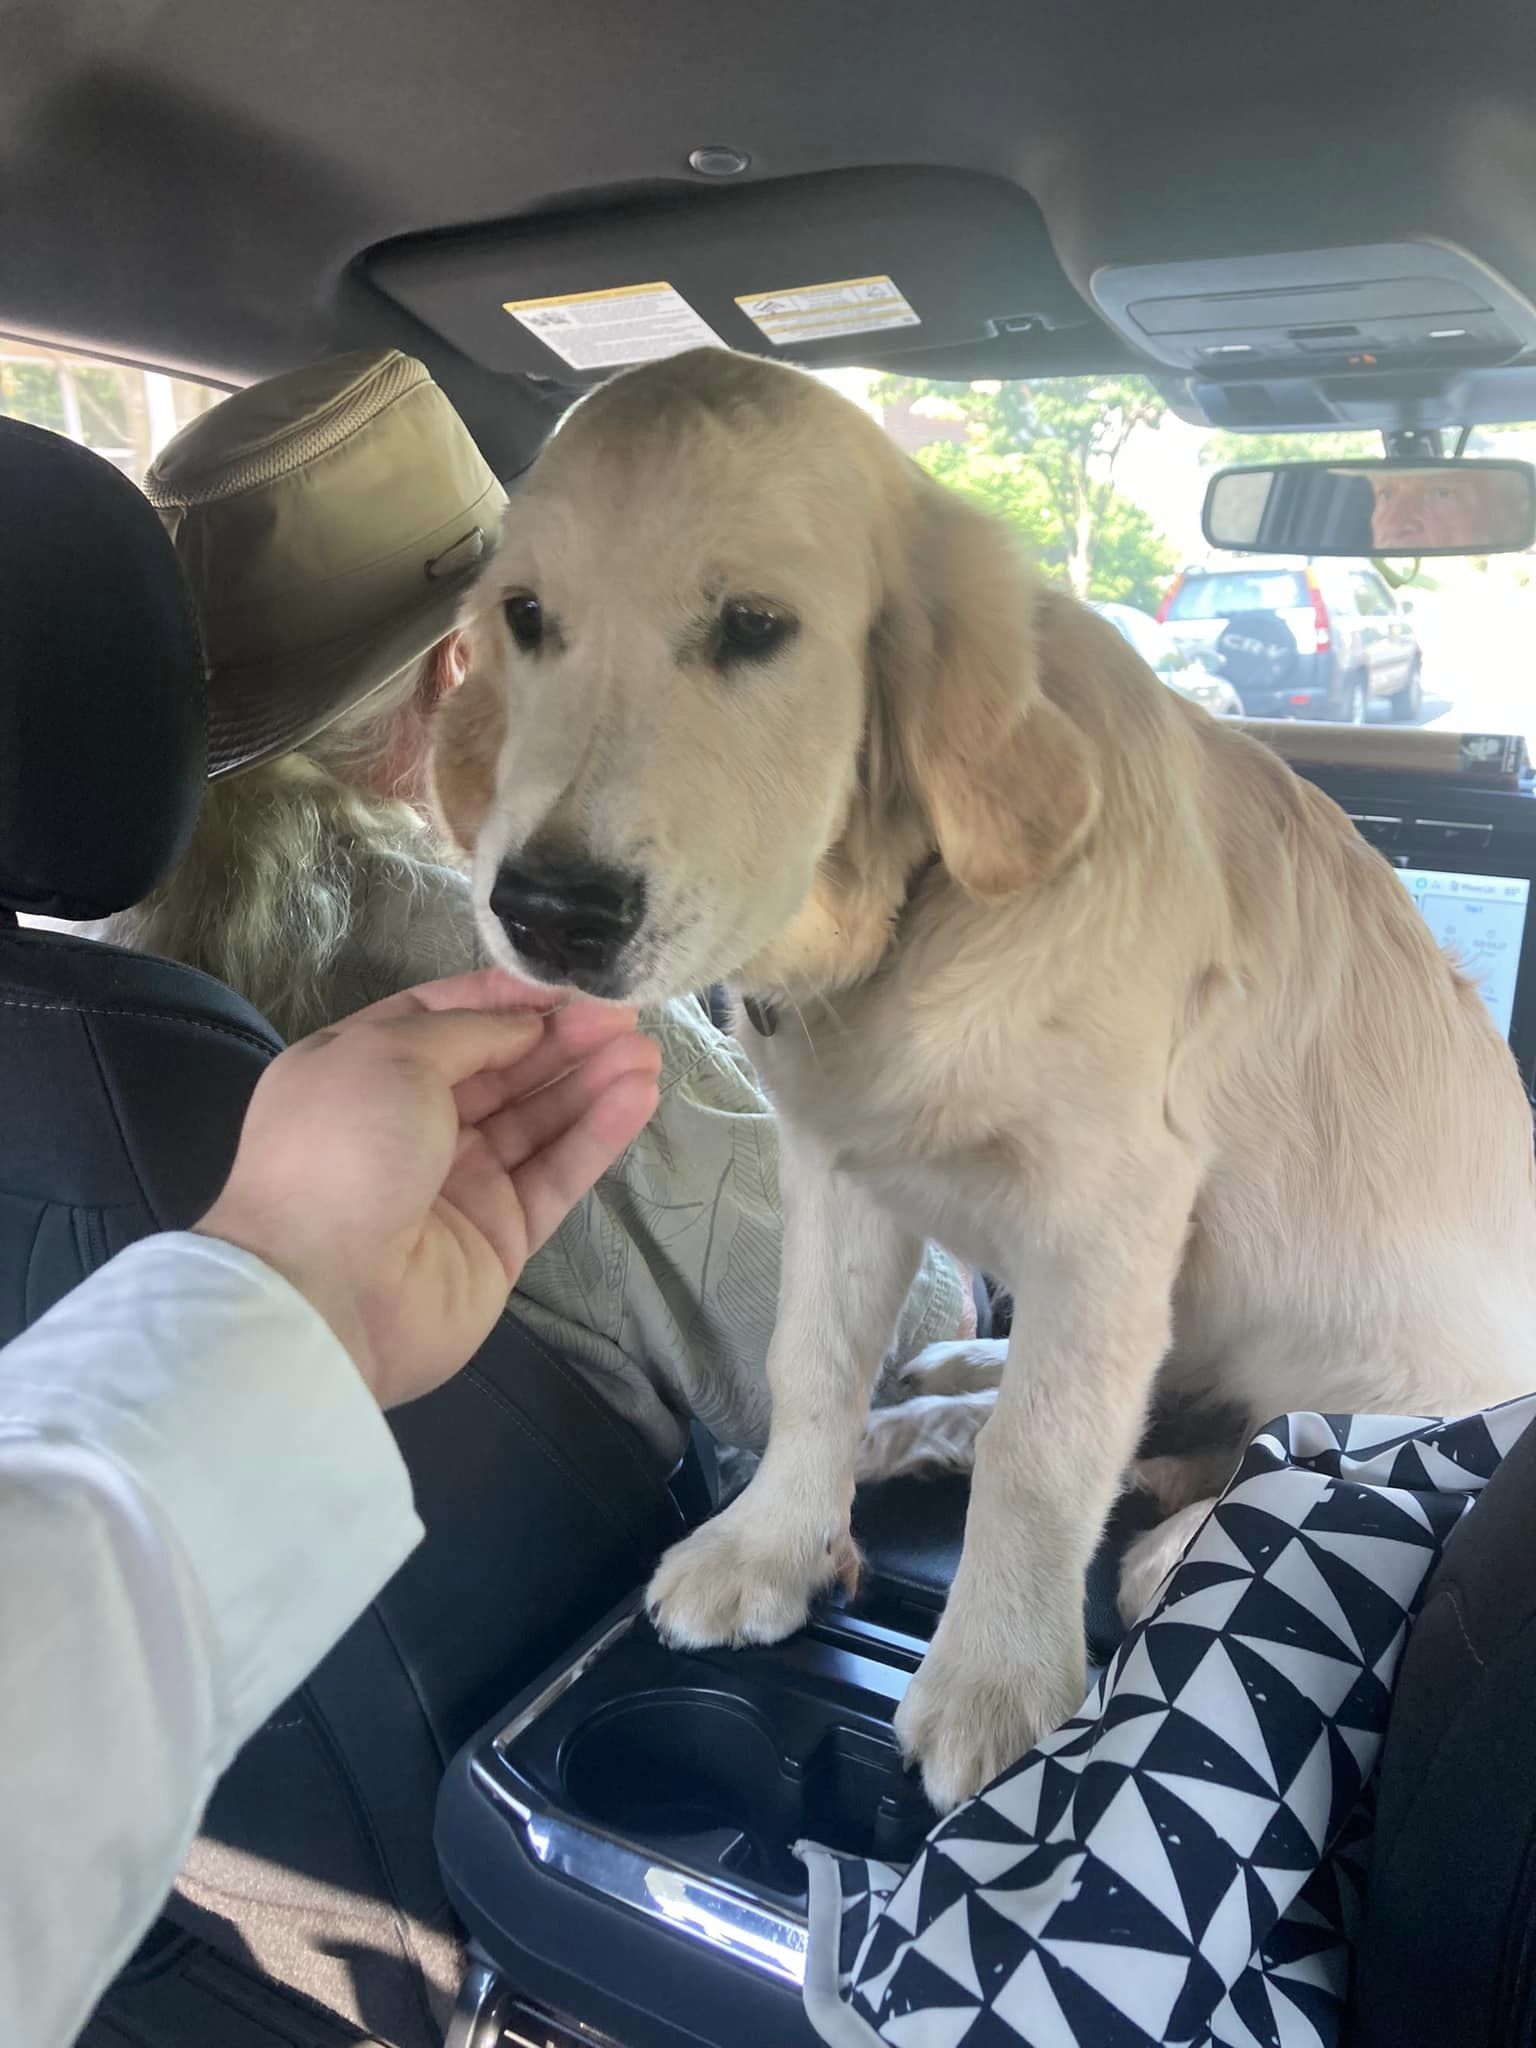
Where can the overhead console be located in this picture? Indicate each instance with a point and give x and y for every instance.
(943, 272)
(1382, 308)
(1410, 398)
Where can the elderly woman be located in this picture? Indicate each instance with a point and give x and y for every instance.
(329, 522)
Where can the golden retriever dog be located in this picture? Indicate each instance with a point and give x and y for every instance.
(1035, 958)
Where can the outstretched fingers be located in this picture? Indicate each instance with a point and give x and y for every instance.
(526, 1126)
(568, 1037)
(551, 1181)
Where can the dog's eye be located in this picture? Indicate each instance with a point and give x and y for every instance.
(525, 620)
(750, 631)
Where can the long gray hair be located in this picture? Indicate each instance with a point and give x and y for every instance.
(285, 857)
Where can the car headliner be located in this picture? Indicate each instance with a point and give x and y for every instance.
(197, 182)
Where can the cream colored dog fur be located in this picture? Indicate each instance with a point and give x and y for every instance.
(1067, 975)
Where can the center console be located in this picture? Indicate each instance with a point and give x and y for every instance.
(620, 1839)
(621, 1842)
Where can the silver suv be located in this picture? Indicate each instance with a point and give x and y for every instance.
(1318, 640)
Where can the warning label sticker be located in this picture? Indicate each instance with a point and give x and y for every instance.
(819, 312)
(639, 323)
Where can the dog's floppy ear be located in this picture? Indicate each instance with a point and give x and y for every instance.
(1004, 776)
(466, 739)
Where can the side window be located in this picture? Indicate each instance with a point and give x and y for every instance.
(124, 413)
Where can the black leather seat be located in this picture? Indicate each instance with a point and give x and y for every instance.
(311, 1912)
(1447, 1953)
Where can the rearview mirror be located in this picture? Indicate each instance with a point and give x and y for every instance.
(1374, 508)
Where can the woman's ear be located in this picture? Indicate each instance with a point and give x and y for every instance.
(442, 672)
(1005, 777)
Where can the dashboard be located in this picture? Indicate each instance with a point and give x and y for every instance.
(1467, 857)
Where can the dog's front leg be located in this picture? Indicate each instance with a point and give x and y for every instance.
(1008, 1661)
(749, 1575)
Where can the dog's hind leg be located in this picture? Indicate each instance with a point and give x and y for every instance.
(1186, 1487)
(1184, 1476)
(1153, 1556)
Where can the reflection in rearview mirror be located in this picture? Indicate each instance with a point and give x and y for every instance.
(1374, 508)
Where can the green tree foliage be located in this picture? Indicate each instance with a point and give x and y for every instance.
(1044, 456)
(1132, 562)
(30, 392)
(1221, 450)
(1007, 485)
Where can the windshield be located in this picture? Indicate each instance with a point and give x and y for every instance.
(1105, 485)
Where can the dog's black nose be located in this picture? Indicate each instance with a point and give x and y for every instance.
(569, 919)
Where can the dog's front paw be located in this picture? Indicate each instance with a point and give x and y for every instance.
(729, 1582)
(965, 1719)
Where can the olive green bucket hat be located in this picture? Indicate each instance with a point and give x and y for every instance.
(329, 523)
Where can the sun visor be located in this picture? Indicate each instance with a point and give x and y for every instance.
(844, 267)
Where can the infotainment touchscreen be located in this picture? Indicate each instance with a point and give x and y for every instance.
(1480, 921)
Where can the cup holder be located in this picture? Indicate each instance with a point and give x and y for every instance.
(685, 1765)
(688, 1764)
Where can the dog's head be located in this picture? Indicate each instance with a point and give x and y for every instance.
(736, 668)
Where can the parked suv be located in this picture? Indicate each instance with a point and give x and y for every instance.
(1303, 641)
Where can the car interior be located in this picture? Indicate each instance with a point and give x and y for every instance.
(502, 1812)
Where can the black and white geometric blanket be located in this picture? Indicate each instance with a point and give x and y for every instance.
(1182, 1862)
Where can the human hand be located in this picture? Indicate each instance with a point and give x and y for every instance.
(968, 1311)
(399, 1168)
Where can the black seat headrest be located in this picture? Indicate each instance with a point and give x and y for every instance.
(101, 685)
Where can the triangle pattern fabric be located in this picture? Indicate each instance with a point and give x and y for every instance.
(1184, 1861)
(933, 2027)
(1296, 1575)
(985, 1862)
(1028, 2003)
(946, 1943)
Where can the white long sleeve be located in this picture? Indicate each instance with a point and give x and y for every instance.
(198, 1495)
